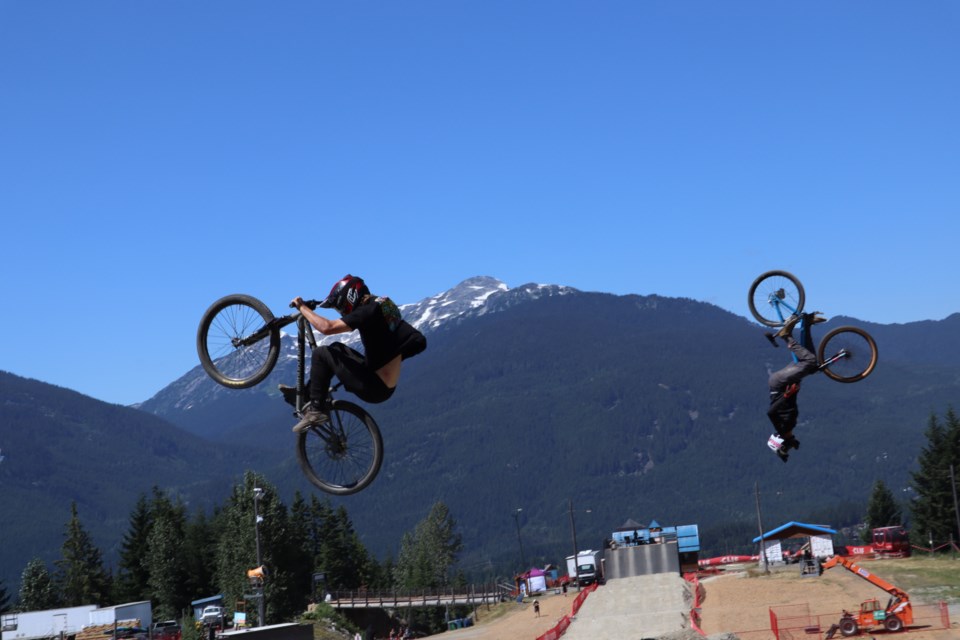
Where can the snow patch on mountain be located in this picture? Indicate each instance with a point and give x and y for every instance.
(473, 297)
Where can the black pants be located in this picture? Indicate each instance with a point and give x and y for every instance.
(350, 368)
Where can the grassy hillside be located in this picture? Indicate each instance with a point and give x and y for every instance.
(926, 579)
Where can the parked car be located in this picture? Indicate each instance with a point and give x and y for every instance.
(166, 629)
(212, 614)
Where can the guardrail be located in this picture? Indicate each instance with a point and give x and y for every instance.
(377, 599)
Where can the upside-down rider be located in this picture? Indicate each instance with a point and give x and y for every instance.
(373, 375)
(785, 383)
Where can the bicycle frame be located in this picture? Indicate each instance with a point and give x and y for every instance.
(777, 296)
(274, 325)
(304, 332)
(778, 302)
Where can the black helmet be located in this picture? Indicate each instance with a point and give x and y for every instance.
(345, 294)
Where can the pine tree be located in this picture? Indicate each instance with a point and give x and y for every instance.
(933, 506)
(4, 599)
(298, 555)
(199, 545)
(81, 577)
(236, 550)
(426, 559)
(882, 511)
(163, 559)
(428, 554)
(132, 574)
(37, 589)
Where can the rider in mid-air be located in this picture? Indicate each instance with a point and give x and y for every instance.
(785, 383)
(373, 375)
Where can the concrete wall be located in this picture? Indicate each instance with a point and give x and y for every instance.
(645, 559)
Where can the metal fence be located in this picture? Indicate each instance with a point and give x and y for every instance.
(795, 622)
(373, 598)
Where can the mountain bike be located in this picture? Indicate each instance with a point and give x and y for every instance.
(238, 342)
(845, 354)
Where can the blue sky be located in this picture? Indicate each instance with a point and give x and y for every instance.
(156, 155)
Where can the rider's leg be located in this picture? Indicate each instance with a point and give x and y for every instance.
(806, 361)
(351, 369)
(322, 367)
(795, 371)
(807, 322)
(806, 339)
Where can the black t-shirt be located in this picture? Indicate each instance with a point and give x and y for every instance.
(382, 330)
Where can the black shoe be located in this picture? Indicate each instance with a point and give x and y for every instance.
(312, 416)
(290, 395)
(772, 338)
(813, 318)
(791, 443)
(782, 452)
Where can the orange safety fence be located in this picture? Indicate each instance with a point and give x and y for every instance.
(794, 622)
(555, 632)
(694, 580)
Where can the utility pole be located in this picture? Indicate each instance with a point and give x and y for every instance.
(576, 560)
(257, 494)
(956, 511)
(763, 549)
(516, 517)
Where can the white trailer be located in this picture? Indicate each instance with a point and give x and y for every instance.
(588, 568)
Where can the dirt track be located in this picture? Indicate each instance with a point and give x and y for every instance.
(733, 603)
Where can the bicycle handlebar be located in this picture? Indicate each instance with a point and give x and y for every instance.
(311, 304)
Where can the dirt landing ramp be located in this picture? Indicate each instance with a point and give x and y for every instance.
(634, 608)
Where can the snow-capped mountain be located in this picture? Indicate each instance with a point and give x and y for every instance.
(474, 296)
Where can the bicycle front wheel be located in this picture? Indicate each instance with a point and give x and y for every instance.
(774, 297)
(847, 354)
(237, 348)
(344, 455)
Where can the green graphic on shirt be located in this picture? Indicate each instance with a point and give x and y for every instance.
(391, 313)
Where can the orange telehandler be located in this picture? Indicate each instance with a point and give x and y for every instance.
(893, 617)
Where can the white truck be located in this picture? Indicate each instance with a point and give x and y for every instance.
(587, 569)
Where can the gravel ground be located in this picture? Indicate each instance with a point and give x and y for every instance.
(659, 606)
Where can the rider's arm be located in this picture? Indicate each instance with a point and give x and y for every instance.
(323, 325)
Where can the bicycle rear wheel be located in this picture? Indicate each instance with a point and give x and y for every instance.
(774, 297)
(236, 347)
(847, 354)
(344, 455)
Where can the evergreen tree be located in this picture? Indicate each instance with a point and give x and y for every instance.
(882, 511)
(132, 574)
(299, 554)
(343, 557)
(198, 553)
(163, 559)
(426, 560)
(4, 599)
(933, 506)
(236, 550)
(81, 577)
(37, 589)
(428, 554)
